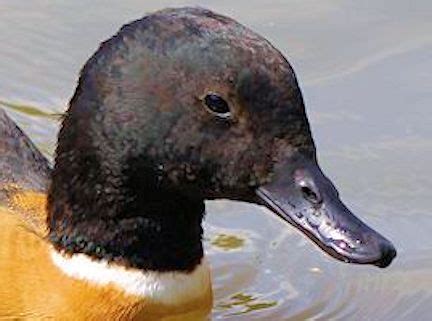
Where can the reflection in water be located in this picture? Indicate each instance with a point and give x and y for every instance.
(227, 242)
(28, 110)
(244, 303)
(365, 72)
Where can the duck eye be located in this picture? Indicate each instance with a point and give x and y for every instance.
(217, 105)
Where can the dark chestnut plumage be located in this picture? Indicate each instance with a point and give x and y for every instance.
(180, 106)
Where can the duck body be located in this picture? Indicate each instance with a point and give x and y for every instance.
(178, 107)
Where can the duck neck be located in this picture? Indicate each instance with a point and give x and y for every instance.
(124, 216)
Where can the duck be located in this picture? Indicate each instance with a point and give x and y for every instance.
(181, 106)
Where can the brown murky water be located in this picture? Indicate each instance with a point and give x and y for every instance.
(366, 72)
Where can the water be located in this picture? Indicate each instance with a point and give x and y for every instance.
(365, 70)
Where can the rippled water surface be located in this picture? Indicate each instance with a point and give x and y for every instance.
(365, 68)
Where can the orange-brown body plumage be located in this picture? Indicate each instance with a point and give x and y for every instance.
(34, 288)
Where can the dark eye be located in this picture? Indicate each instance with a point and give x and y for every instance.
(217, 105)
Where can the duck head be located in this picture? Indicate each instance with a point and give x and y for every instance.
(181, 106)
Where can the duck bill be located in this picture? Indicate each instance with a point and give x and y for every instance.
(305, 198)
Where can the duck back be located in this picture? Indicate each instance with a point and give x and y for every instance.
(24, 175)
(21, 163)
